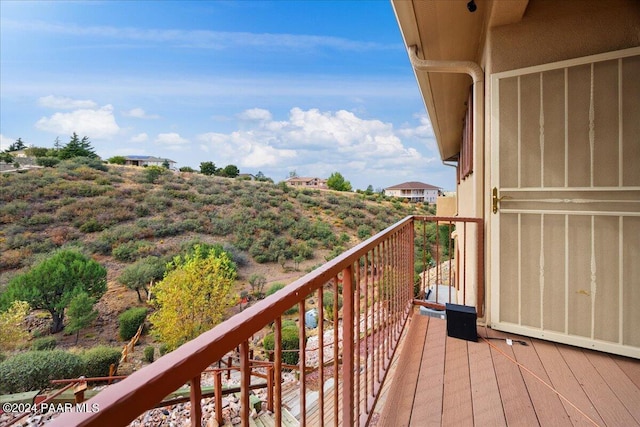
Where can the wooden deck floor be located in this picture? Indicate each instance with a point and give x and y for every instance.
(443, 381)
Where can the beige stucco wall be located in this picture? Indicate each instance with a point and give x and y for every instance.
(553, 30)
(447, 206)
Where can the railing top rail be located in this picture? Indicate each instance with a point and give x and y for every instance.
(127, 399)
(447, 219)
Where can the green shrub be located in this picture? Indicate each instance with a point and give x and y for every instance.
(290, 341)
(364, 232)
(292, 310)
(274, 288)
(288, 323)
(44, 343)
(97, 360)
(91, 226)
(130, 321)
(125, 251)
(164, 349)
(34, 370)
(328, 302)
(78, 162)
(130, 251)
(149, 353)
(152, 173)
(47, 162)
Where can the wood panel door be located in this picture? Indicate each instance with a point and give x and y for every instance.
(565, 172)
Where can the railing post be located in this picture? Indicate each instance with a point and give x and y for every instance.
(480, 269)
(245, 382)
(196, 402)
(270, 388)
(302, 362)
(278, 369)
(78, 391)
(321, 353)
(347, 347)
(217, 390)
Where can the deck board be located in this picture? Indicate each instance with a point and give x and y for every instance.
(516, 401)
(487, 405)
(630, 367)
(612, 411)
(453, 382)
(546, 403)
(403, 389)
(625, 390)
(563, 380)
(456, 406)
(427, 410)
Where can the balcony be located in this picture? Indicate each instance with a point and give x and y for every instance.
(367, 377)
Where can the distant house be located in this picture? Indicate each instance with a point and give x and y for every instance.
(147, 161)
(19, 153)
(306, 182)
(414, 191)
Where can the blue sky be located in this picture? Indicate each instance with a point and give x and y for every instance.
(308, 86)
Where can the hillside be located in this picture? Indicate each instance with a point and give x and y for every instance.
(118, 214)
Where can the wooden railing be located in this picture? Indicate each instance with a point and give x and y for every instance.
(372, 291)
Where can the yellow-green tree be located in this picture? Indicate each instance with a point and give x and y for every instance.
(193, 296)
(12, 332)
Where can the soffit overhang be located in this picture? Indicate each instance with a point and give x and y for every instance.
(446, 30)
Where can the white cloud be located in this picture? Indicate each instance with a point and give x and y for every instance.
(201, 39)
(424, 130)
(141, 137)
(5, 142)
(172, 141)
(257, 114)
(318, 141)
(244, 149)
(94, 123)
(139, 113)
(64, 103)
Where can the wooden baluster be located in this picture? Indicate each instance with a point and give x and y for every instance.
(196, 402)
(217, 389)
(245, 381)
(278, 369)
(270, 388)
(347, 347)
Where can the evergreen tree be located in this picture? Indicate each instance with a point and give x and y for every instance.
(17, 146)
(77, 148)
(51, 284)
(80, 313)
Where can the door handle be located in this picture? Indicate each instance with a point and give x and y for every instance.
(495, 200)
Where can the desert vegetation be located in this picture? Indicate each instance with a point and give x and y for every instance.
(136, 232)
